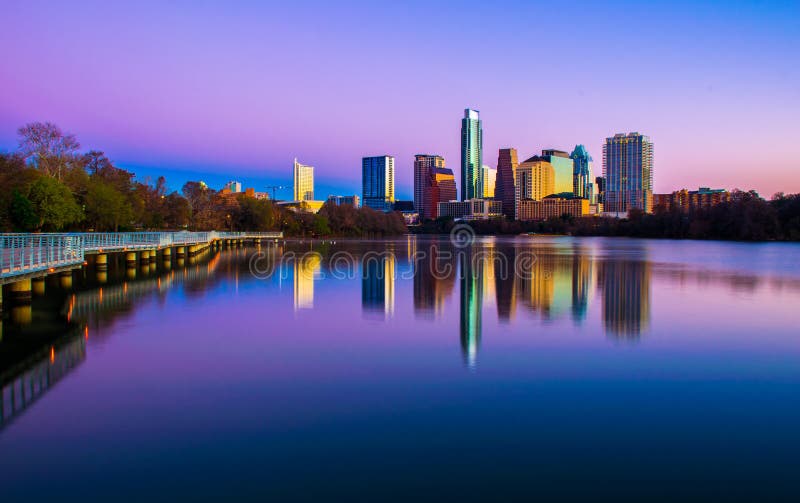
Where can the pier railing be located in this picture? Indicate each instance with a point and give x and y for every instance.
(30, 253)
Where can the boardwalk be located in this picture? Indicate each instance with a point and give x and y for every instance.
(27, 255)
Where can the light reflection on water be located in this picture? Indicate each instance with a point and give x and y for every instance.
(502, 362)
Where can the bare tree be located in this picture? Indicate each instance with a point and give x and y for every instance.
(44, 145)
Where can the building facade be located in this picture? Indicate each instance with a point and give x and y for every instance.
(628, 173)
(582, 185)
(471, 155)
(474, 209)
(552, 207)
(344, 200)
(535, 181)
(703, 198)
(563, 170)
(507, 163)
(303, 182)
(377, 182)
(423, 165)
(440, 187)
(489, 182)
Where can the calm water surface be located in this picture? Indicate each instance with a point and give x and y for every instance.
(510, 369)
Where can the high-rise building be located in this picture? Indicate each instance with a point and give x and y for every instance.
(506, 179)
(628, 173)
(563, 169)
(303, 182)
(344, 200)
(423, 165)
(233, 186)
(582, 186)
(600, 188)
(440, 187)
(489, 182)
(471, 155)
(535, 180)
(377, 181)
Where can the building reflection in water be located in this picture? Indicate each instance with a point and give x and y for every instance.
(378, 283)
(306, 269)
(434, 280)
(581, 283)
(626, 297)
(471, 304)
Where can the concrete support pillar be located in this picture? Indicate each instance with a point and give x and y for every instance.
(130, 260)
(101, 262)
(166, 252)
(37, 286)
(145, 258)
(65, 279)
(20, 294)
(21, 315)
(180, 252)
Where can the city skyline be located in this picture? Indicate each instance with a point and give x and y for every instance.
(170, 98)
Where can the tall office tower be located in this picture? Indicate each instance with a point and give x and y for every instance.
(489, 182)
(423, 164)
(582, 185)
(563, 169)
(471, 155)
(535, 180)
(628, 173)
(440, 187)
(600, 189)
(506, 179)
(377, 182)
(303, 182)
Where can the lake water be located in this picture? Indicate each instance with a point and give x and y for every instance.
(413, 369)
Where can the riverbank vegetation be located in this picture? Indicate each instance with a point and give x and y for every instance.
(49, 185)
(746, 217)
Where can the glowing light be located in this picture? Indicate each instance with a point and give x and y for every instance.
(52, 354)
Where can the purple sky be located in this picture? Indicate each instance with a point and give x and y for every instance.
(220, 90)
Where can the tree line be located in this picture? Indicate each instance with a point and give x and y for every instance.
(746, 217)
(49, 185)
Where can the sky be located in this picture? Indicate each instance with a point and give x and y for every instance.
(238, 89)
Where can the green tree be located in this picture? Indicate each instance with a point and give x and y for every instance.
(106, 207)
(54, 204)
(22, 212)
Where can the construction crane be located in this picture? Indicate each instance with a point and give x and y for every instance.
(274, 188)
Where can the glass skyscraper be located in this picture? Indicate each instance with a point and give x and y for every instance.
(628, 173)
(582, 186)
(377, 182)
(471, 155)
(303, 182)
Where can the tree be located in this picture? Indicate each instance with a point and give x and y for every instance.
(22, 212)
(106, 208)
(47, 148)
(54, 204)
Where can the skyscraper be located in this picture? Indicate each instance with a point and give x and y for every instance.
(562, 168)
(535, 180)
(628, 173)
(440, 187)
(506, 179)
(489, 182)
(303, 182)
(423, 164)
(377, 181)
(471, 155)
(582, 185)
